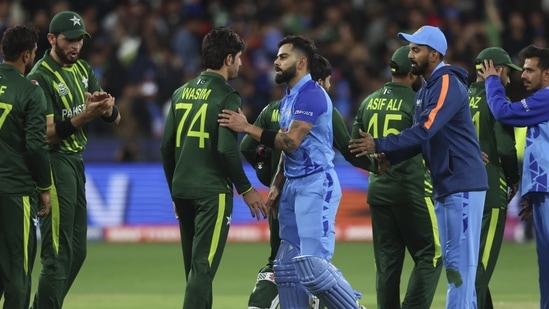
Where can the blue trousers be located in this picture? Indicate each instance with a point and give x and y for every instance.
(307, 211)
(459, 218)
(540, 206)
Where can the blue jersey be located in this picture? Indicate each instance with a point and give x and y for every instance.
(308, 102)
(532, 112)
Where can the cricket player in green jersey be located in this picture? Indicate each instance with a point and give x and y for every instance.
(403, 215)
(265, 162)
(24, 165)
(73, 99)
(201, 163)
(498, 142)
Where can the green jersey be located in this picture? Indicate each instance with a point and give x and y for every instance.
(65, 89)
(390, 110)
(25, 162)
(268, 119)
(200, 157)
(498, 142)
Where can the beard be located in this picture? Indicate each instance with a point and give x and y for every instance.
(286, 75)
(64, 58)
(419, 68)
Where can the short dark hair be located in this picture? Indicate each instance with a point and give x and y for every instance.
(218, 44)
(533, 51)
(302, 44)
(18, 39)
(320, 68)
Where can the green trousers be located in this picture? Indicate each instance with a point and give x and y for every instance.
(63, 232)
(204, 225)
(491, 237)
(395, 228)
(17, 249)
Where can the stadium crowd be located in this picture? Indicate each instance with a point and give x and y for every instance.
(143, 50)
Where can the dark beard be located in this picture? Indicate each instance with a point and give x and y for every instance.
(62, 56)
(286, 75)
(420, 68)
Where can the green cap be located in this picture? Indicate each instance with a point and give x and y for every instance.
(68, 23)
(498, 56)
(400, 63)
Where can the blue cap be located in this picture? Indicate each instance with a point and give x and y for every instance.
(427, 35)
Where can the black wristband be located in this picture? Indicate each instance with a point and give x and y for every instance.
(268, 138)
(64, 128)
(113, 115)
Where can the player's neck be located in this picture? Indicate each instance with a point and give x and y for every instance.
(221, 72)
(19, 65)
(299, 75)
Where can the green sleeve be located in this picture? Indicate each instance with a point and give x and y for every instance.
(39, 78)
(227, 147)
(37, 147)
(167, 147)
(365, 162)
(505, 141)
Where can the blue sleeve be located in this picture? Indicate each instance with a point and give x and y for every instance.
(309, 105)
(441, 106)
(526, 112)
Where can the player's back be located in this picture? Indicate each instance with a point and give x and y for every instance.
(390, 110)
(19, 114)
(196, 105)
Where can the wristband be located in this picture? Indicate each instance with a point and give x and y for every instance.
(113, 115)
(268, 138)
(64, 128)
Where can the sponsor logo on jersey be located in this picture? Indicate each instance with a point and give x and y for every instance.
(34, 81)
(302, 112)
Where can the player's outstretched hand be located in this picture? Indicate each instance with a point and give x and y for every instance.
(97, 104)
(45, 203)
(485, 159)
(272, 205)
(233, 120)
(513, 189)
(382, 162)
(362, 146)
(255, 202)
(488, 69)
(525, 212)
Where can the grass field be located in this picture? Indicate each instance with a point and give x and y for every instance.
(144, 276)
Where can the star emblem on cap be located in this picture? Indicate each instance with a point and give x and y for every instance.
(75, 21)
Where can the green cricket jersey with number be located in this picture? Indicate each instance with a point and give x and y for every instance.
(201, 158)
(24, 162)
(65, 89)
(388, 111)
(498, 142)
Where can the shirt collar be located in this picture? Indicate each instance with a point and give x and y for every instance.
(298, 86)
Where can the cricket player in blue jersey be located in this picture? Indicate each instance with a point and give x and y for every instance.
(444, 132)
(311, 192)
(533, 113)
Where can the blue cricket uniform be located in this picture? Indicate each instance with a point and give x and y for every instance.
(443, 131)
(533, 113)
(311, 193)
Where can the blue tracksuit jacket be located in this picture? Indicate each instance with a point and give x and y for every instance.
(443, 131)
